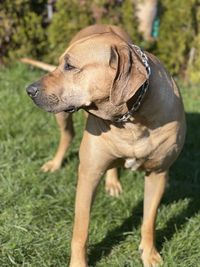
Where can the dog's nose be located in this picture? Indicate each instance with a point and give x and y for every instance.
(32, 90)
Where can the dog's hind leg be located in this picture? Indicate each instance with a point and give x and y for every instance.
(154, 188)
(65, 124)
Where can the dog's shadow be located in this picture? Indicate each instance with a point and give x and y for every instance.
(184, 184)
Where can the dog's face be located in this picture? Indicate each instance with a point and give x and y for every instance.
(95, 73)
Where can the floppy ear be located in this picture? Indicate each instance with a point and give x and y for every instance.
(129, 76)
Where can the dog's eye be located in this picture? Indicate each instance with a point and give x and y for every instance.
(67, 66)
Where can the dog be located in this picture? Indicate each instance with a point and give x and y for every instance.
(136, 119)
(64, 120)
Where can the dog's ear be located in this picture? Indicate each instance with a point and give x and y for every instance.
(130, 74)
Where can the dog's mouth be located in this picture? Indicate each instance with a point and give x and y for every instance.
(71, 109)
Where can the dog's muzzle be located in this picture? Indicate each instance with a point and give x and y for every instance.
(51, 102)
(38, 96)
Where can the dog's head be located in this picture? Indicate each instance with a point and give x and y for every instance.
(99, 73)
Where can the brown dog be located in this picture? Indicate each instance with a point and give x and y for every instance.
(135, 118)
(65, 122)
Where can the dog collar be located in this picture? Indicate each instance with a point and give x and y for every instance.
(143, 89)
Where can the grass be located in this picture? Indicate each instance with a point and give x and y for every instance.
(37, 208)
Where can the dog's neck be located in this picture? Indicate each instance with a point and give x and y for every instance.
(134, 103)
(121, 114)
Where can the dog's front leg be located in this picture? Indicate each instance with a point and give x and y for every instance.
(153, 191)
(87, 182)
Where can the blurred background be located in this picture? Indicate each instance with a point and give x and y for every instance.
(42, 29)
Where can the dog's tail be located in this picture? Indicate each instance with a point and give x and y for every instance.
(38, 64)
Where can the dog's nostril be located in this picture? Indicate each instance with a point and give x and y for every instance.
(32, 90)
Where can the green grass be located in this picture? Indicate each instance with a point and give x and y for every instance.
(37, 208)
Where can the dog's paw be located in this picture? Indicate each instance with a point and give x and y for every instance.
(51, 166)
(113, 187)
(151, 257)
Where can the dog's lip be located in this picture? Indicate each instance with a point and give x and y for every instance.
(71, 109)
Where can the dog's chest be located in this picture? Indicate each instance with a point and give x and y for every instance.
(132, 143)
(143, 147)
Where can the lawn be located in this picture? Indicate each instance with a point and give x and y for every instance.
(37, 208)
